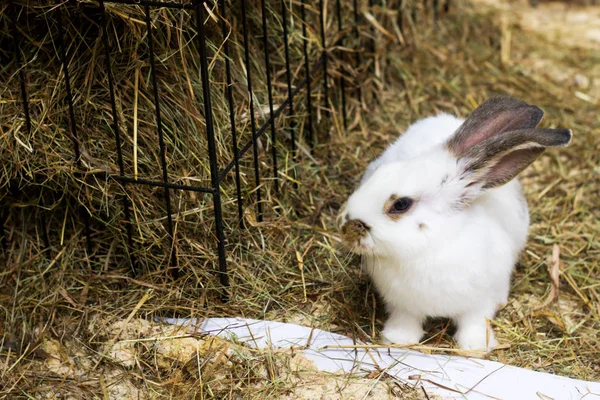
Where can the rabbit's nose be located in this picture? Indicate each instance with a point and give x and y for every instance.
(354, 230)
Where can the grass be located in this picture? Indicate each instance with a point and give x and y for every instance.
(59, 302)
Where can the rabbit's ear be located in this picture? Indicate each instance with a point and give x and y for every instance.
(493, 117)
(499, 159)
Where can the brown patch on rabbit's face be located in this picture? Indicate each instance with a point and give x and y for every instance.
(354, 230)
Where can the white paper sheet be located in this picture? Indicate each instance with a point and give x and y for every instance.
(451, 377)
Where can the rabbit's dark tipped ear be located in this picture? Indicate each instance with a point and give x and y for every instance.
(499, 159)
(493, 117)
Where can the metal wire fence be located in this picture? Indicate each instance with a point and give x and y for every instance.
(336, 84)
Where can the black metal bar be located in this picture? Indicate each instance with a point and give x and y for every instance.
(288, 76)
(307, 72)
(127, 179)
(259, 216)
(24, 98)
(72, 121)
(229, 90)
(270, 93)
(161, 141)
(117, 133)
(212, 152)
(400, 19)
(276, 114)
(152, 3)
(28, 126)
(44, 228)
(414, 11)
(20, 66)
(342, 78)
(358, 52)
(3, 218)
(65, 68)
(324, 44)
(372, 41)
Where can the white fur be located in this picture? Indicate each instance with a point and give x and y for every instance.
(438, 259)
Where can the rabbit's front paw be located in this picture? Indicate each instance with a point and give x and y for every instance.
(402, 330)
(476, 337)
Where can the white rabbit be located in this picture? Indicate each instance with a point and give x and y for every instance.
(440, 221)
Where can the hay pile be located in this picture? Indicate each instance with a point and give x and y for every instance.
(41, 162)
(289, 267)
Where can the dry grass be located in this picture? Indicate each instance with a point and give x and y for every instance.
(289, 268)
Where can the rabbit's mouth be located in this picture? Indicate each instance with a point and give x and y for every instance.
(364, 247)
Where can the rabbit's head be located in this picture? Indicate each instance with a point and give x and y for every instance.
(404, 205)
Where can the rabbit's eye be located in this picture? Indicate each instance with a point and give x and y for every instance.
(401, 205)
(396, 206)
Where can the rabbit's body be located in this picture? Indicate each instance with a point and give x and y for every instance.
(438, 281)
(440, 220)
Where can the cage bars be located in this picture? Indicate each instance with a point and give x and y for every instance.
(117, 133)
(72, 121)
(161, 142)
(309, 128)
(259, 214)
(170, 185)
(212, 152)
(358, 59)
(230, 104)
(154, 4)
(260, 131)
(216, 176)
(340, 42)
(20, 66)
(288, 81)
(269, 92)
(24, 100)
(323, 18)
(3, 238)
